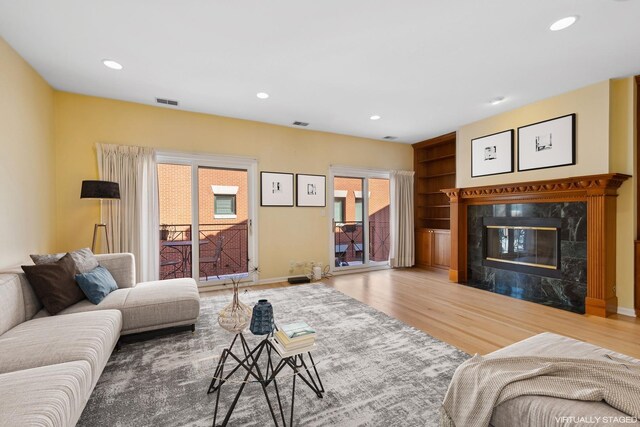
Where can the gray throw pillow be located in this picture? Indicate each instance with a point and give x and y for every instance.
(84, 259)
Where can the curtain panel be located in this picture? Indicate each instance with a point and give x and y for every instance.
(134, 219)
(403, 247)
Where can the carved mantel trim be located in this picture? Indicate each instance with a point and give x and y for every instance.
(574, 187)
(599, 191)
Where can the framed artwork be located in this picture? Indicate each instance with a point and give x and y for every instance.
(276, 189)
(492, 154)
(547, 144)
(310, 190)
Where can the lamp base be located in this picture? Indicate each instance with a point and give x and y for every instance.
(95, 235)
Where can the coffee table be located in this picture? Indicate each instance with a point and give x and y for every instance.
(249, 360)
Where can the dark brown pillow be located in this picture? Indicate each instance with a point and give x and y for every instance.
(55, 284)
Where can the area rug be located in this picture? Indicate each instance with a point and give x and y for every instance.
(377, 371)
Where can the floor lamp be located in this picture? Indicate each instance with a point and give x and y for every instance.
(100, 190)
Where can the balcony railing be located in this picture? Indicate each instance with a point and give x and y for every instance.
(223, 250)
(349, 245)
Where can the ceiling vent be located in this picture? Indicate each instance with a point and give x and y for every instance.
(304, 124)
(167, 101)
(390, 138)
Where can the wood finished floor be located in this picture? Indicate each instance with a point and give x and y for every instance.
(473, 320)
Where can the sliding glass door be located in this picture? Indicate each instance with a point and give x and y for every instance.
(361, 223)
(207, 212)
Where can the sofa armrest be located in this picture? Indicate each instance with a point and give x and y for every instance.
(121, 266)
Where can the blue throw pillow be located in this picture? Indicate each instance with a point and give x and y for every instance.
(96, 284)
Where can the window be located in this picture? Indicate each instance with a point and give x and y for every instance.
(338, 209)
(224, 205)
(224, 201)
(358, 209)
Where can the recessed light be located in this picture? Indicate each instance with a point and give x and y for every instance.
(375, 117)
(110, 63)
(497, 100)
(262, 95)
(563, 23)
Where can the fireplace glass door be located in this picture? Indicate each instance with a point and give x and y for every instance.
(528, 245)
(534, 246)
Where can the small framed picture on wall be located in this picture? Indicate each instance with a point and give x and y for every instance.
(310, 190)
(276, 189)
(492, 154)
(547, 144)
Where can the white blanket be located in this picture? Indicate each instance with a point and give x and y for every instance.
(480, 384)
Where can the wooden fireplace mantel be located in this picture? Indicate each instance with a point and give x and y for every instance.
(598, 191)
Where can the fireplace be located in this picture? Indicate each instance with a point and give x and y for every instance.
(524, 245)
(586, 206)
(531, 251)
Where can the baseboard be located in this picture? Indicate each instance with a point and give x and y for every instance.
(626, 311)
(360, 270)
(220, 286)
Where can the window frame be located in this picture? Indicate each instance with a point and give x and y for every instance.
(218, 215)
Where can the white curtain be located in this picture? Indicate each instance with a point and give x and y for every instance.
(133, 220)
(403, 247)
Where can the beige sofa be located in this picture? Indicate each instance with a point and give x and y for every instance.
(49, 365)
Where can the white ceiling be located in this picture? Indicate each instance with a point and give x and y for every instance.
(427, 67)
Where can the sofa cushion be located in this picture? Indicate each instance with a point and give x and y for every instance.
(12, 312)
(84, 259)
(151, 305)
(96, 284)
(53, 395)
(121, 266)
(114, 301)
(54, 284)
(82, 336)
(31, 302)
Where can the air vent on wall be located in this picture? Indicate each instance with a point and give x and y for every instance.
(300, 124)
(167, 101)
(390, 137)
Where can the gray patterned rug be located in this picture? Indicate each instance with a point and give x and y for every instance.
(377, 371)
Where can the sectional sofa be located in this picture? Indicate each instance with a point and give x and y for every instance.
(49, 365)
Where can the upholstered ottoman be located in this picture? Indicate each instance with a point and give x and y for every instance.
(545, 411)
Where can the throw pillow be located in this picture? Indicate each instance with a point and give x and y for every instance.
(54, 284)
(84, 259)
(96, 284)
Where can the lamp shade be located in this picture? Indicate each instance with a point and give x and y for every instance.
(100, 190)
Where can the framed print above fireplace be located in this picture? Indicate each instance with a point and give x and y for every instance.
(547, 144)
(492, 154)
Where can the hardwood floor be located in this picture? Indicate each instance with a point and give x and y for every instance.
(473, 320)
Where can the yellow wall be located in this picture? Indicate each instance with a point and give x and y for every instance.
(27, 202)
(604, 143)
(621, 159)
(299, 234)
(591, 105)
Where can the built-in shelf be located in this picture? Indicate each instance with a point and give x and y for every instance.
(436, 175)
(433, 159)
(435, 167)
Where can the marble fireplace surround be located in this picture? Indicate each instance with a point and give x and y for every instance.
(598, 191)
(564, 287)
